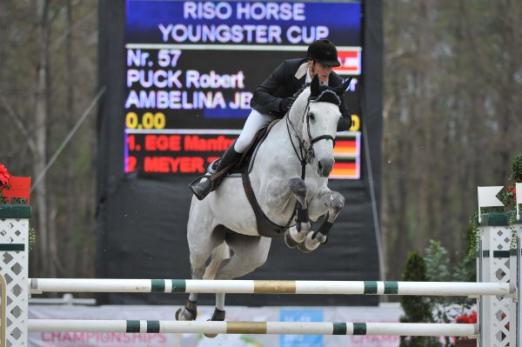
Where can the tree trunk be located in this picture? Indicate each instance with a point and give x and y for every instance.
(71, 195)
(40, 134)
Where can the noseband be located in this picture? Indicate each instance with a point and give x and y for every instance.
(306, 153)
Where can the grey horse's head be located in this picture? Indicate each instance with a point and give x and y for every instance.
(319, 119)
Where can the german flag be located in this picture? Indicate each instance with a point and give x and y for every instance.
(346, 147)
(346, 168)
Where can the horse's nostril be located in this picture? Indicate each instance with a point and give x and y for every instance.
(325, 167)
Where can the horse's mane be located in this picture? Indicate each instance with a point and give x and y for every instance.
(329, 95)
(326, 94)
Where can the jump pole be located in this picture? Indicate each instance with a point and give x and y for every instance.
(54, 285)
(265, 328)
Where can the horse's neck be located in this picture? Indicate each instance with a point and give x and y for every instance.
(297, 112)
(278, 152)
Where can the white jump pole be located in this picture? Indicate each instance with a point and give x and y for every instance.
(72, 285)
(267, 328)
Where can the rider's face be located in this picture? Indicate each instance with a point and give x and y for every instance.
(321, 71)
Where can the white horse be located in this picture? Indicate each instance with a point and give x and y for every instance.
(289, 173)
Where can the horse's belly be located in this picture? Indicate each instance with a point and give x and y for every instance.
(232, 209)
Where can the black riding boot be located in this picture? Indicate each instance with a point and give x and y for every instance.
(203, 185)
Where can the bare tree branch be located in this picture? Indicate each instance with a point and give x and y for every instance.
(17, 119)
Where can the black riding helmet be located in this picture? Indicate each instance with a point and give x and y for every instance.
(323, 52)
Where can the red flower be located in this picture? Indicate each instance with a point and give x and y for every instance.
(471, 318)
(4, 176)
(462, 319)
(512, 191)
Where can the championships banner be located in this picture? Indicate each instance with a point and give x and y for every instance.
(389, 313)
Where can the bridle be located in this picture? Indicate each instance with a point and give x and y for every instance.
(306, 153)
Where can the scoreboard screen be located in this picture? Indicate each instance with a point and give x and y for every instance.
(191, 68)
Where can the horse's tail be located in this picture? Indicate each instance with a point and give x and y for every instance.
(218, 255)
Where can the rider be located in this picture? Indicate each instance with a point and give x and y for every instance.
(272, 99)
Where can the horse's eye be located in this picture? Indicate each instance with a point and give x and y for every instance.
(312, 116)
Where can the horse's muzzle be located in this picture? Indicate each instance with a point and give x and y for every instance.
(324, 167)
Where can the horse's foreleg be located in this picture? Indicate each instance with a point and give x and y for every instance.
(295, 235)
(335, 203)
(336, 206)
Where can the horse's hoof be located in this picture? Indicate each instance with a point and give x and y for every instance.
(218, 316)
(182, 314)
(299, 235)
(310, 243)
(321, 238)
(289, 242)
(303, 249)
(188, 312)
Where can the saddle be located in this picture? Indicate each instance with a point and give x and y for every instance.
(247, 159)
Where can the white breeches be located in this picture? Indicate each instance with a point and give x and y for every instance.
(254, 122)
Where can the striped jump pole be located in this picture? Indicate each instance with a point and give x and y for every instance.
(42, 285)
(264, 328)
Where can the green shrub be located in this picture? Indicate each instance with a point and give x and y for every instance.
(416, 308)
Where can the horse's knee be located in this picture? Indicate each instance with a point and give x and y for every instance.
(337, 201)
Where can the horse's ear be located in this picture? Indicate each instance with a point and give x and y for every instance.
(343, 87)
(314, 87)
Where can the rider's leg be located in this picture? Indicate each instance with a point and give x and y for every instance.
(254, 122)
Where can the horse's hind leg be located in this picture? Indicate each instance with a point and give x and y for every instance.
(249, 253)
(202, 245)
